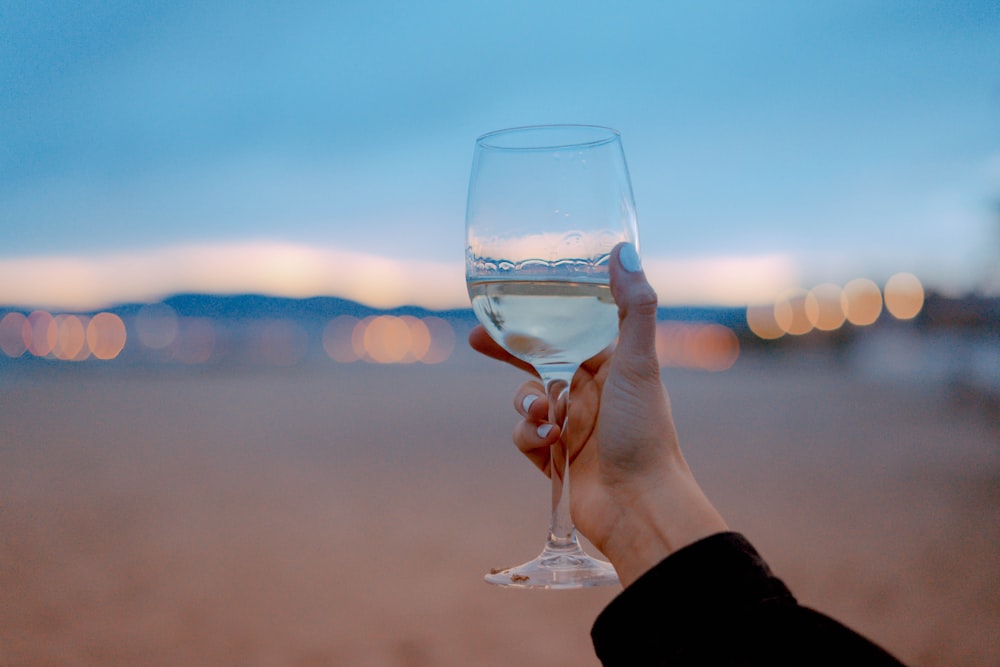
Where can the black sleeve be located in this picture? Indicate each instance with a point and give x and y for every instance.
(715, 602)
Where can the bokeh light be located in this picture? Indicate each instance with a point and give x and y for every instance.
(337, 339)
(71, 338)
(760, 319)
(195, 342)
(670, 343)
(862, 301)
(12, 334)
(714, 347)
(388, 339)
(41, 333)
(420, 339)
(106, 335)
(65, 337)
(790, 313)
(358, 338)
(442, 340)
(824, 307)
(156, 326)
(904, 296)
(708, 347)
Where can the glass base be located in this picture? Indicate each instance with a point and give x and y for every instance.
(557, 569)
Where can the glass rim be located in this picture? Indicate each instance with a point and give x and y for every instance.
(602, 135)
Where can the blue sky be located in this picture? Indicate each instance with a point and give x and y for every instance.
(844, 138)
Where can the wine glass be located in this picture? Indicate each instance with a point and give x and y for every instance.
(546, 206)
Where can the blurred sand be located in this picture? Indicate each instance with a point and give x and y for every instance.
(344, 515)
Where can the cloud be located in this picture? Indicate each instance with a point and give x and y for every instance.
(279, 269)
(721, 281)
(81, 283)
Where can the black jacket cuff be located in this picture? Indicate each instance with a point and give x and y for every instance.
(682, 597)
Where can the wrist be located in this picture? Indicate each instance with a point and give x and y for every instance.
(657, 520)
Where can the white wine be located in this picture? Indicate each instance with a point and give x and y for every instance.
(547, 322)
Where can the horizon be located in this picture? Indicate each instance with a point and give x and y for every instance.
(198, 328)
(81, 283)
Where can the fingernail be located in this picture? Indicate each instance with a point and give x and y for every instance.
(543, 430)
(629, 258)
(527, 401)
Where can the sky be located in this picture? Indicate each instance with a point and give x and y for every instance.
(308, 148)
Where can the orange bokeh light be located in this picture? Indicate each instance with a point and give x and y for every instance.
(862, 301)
(760, 319)
(388, 339)
(106, 335)
(824, 307)
(41, 333)
(71, 338)
(714, 347)
(708, 347)
(670, 343)
(358, 338)
(790, 313)
(904, 296)
(420, 339)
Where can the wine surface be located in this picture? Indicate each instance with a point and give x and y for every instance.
(551, 322)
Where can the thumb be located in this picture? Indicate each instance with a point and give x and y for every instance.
(635, 354)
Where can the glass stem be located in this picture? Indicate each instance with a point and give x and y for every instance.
(562, 532)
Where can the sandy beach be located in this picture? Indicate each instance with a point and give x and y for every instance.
(344, 514)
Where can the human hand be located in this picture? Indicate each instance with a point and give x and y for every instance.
(633, 495)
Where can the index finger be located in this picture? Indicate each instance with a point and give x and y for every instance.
(593, 365)
(481, 342)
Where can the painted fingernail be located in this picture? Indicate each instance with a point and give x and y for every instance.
(629, 258)
(527, 401)
(543, 430)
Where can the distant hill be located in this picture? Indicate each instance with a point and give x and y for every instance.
(256, 306)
